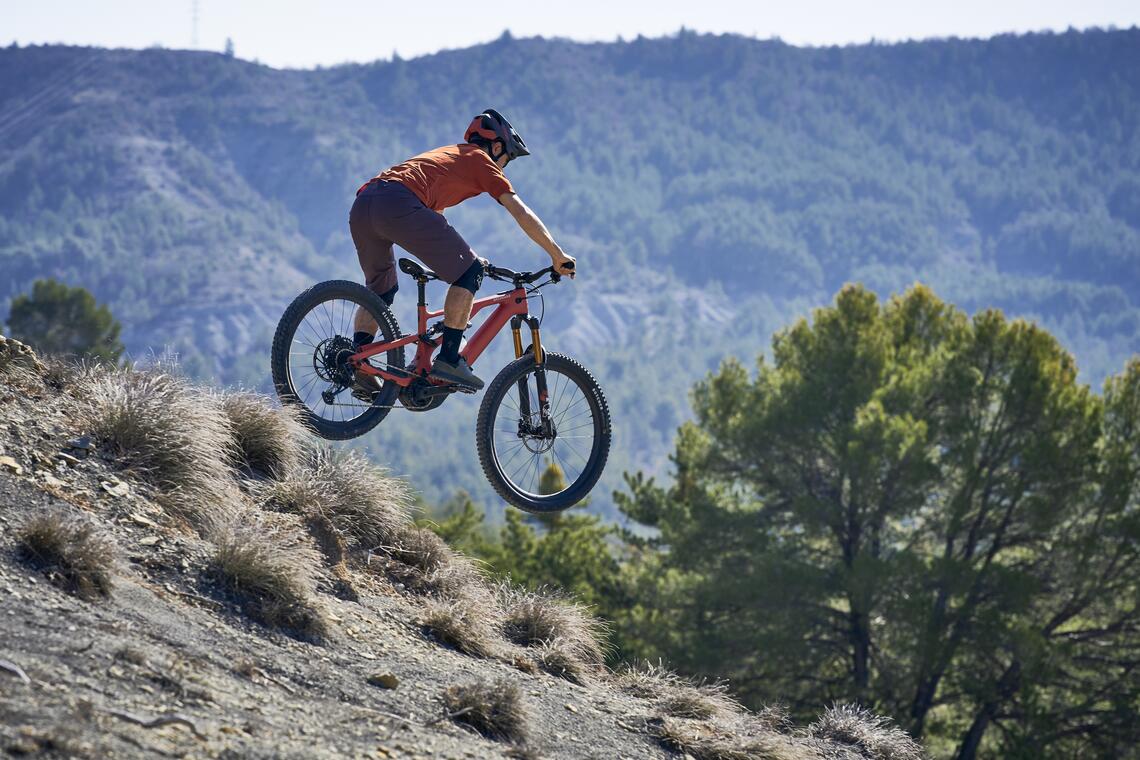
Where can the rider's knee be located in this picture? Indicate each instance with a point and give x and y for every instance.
(389, 296)
(472, 278)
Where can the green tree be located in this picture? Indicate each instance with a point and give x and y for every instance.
(57, 319)
(578, 554)
(915, 510)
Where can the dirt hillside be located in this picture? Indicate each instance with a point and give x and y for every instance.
(187, 573)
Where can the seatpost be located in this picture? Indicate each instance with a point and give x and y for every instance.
(421, 284)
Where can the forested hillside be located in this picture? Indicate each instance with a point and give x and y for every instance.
(713, 187)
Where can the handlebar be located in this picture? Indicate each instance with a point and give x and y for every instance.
(521, 278)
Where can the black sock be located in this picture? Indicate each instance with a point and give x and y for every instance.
(450, 351)
(362, 338)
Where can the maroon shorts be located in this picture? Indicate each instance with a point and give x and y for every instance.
(387, 213)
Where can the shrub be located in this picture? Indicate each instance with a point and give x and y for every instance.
(72, 551)
(170, 434)
(459, 623)
(702, 741)
(362, 502)
(493, 709)
(558, 658)
(542, 618)
(676, 696)
(270, 569)
(873, 736)
(267, 440)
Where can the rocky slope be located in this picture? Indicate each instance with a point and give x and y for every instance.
(183, 574)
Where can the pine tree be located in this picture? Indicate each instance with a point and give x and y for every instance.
(57, 319)
(917, 511)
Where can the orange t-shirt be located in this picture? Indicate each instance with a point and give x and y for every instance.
(447, 176)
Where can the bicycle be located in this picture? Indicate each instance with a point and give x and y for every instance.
(542, 409)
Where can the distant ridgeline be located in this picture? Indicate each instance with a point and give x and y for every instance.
(713, 186)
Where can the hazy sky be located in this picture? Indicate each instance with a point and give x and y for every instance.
(309, 32)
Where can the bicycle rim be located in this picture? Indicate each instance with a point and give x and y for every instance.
(540, 463)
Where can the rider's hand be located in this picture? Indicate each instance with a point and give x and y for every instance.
(560, 265)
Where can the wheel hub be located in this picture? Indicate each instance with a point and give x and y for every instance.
(537, 435)
(330, 360)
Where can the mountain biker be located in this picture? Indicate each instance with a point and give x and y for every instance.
(401, 206)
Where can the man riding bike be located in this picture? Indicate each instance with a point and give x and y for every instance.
(401, 206)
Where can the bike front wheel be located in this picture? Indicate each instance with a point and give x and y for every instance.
(543, 455)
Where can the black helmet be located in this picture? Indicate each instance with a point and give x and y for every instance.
(490, 126)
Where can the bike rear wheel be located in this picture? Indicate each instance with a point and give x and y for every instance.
(313, 339)
(523, 451)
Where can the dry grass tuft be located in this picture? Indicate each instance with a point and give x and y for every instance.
(363, 503)
(60, 373)
(268, 441)
(700, 702)
(73, 552)
(170, 434)
(421, 549)
(703, 741)
(495, 709)
(679, 697)
(647, 680)
(873, 736)
(425, 564)
(562, 626)
(459, 623)
(270, 569)
(561, 660)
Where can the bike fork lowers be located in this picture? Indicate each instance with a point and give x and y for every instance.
(539, 372)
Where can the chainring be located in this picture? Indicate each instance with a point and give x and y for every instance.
(414, 398)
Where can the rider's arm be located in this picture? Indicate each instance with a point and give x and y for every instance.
(534, 228)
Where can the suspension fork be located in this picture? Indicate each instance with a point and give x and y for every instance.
(540, 368)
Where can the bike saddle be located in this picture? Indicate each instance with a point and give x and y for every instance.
(407, 266)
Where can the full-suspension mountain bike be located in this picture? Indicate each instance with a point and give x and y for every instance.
(542, 409)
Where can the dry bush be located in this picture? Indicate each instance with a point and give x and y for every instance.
(495, 709)
(171, 435)
(558, 658)
(61, 374)
(71, 549)
(703, 741)
(701, 702)
(873, 736)
(568, 640)
(460, 623)
(681, 698)
(362, 502)
(268, 441)
(421, 549)
(425, 564)
(270, 569)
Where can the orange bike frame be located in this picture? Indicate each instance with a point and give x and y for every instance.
(510, 304)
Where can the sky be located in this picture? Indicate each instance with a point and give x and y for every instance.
(306, 33)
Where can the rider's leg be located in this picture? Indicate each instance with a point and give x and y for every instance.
(377, 261)
(398, 215)
(364, 325)
(456, 311)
